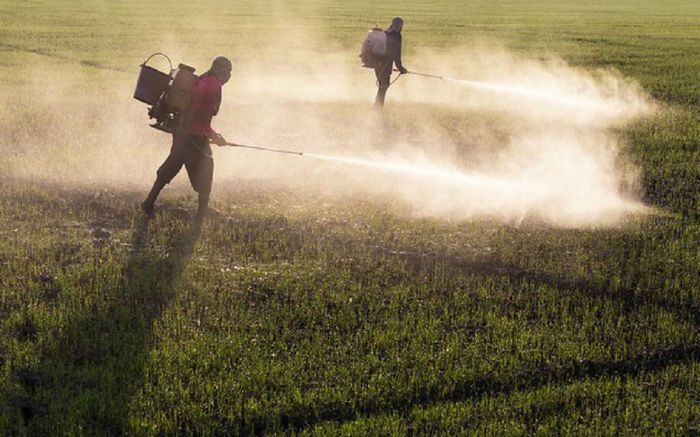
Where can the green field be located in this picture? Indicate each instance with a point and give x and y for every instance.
(302, 311)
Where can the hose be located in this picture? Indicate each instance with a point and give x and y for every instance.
(382, 71)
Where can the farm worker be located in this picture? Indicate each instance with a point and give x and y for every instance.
(393, 56)
(191, 139)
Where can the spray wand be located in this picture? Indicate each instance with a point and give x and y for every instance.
(434, 76)
(267, 149)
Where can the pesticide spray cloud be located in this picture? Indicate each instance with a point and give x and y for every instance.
(523, 139)
(500, 136)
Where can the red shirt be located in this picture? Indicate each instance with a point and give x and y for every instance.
(204, 105)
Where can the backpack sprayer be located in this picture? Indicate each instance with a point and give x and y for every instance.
(373, 48)
(168, 94)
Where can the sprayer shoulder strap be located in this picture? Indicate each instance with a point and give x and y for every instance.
(217, 101)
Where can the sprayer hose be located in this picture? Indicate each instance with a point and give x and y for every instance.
(382, 71)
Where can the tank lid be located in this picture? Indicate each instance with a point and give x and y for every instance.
(185, 67)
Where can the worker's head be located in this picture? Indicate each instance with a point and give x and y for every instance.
(221, 68)
(396, 24)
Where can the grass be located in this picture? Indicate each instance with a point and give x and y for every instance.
(288, 313)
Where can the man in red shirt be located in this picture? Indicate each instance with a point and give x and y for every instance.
(191, 140)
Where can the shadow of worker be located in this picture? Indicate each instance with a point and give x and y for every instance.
(87, 377)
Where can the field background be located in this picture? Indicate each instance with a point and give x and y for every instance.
(292, 313)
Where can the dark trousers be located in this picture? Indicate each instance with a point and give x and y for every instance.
(383, 73)
(194, 152)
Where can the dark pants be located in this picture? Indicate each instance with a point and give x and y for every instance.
(194, 152)
(383, 73)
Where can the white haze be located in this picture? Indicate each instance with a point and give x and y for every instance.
(519, 138)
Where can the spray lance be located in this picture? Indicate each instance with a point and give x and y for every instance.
(434, 76)
(266, 149)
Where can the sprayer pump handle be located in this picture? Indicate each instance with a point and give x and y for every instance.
(161, 54)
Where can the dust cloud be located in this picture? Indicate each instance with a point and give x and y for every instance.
(501, 136)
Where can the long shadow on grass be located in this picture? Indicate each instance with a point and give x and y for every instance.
(63, 58)
(485, 386)
(629, 297)
(528, 379)
(87, 378)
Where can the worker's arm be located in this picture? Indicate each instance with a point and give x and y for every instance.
(397, 55)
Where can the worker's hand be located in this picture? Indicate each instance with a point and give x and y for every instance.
(218, 139)
(403, 70)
